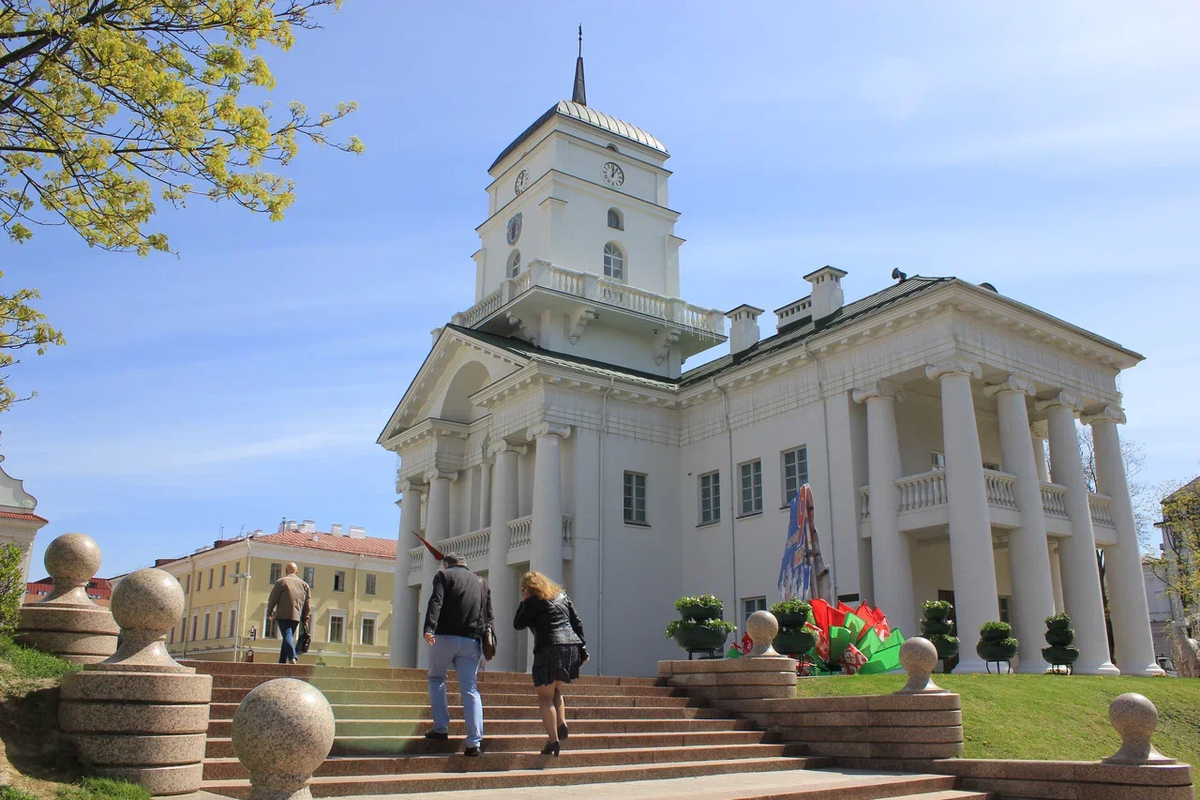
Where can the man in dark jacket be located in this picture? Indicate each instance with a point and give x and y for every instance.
(460, 609)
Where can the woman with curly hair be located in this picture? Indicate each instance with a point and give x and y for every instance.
(558, 649)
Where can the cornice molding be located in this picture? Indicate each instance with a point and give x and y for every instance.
(1011, 384)
(879, 390)
(953, 366)
(1060, 399)
(547, 429)
(1105, 414)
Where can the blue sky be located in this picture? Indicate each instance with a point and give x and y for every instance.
(1052, 149)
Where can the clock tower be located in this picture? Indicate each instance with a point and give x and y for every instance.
(578, 253)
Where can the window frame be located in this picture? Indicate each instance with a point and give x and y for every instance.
(207, 624)
(614, 263)
(219, 619)
(237, 570)
(195, 626)
(756, 501)
(187, 585)
(512, 267)
(714, 497)
(310, 576)
(615, 213)
(211, 570)
(339, 615)
(364, 618)
(339, 580)
(233, 618)
(783, 477)
(224, 567)
(370, 584)
(629, 499)
(760, 604)
(276, 573)
(937, 460)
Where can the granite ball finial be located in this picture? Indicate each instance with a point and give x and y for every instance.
(282, 731)
(918, 657)
(762, 628)
(146, 603)
(1135, 719)
(72, 560)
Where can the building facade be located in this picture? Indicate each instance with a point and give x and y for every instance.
(553, 427)
(19, 523)
(226, 587)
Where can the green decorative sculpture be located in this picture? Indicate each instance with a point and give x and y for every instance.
(1059, 635)
(937, 625)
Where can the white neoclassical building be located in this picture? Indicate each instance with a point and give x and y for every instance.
(553, 427)
(18, 522)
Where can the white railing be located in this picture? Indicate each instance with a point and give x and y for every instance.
(864, 509)
(568, 530)
(1101, 507)
(519, 531)
(597, 288)
(1054, 500)
(922, 491)
(416, 559)
(1001, 488)
(472, 545)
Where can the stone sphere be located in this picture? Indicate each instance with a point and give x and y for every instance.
(1134, 716)
(73, 558)
(762, 627)
(148, 599)
(283, 726)
(918, 656)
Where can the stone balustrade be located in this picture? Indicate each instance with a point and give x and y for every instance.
(1101, 508)
(477, 544)
(1001, 488)
(922, 491)
(1054, 500)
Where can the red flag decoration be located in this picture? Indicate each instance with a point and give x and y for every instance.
(852, 660)
(433, 550)
(746, 646)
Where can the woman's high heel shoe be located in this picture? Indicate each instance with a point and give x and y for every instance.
(563, 732)
(552, 749)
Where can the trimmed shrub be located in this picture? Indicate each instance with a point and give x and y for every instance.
(996, 642)
(938, 627)
(1060, 635)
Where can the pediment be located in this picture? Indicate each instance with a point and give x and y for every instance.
(457, 366)
(13, 494)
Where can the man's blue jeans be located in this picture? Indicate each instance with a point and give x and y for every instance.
(463, 654)
(287, 632)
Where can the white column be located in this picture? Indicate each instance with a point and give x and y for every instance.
(1056, 579)
(402, 649)
(1038, 433)
(972, 562)
(437, 528)
(891, 560)
(502, 579)
(1132, 638)
(1029, 552)
(545, 536)
(485, 494)
(1077, 552)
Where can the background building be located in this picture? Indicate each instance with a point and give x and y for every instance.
(18, 522)
(226, 587)
(98, 589)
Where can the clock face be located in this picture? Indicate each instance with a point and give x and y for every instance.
(514, 228)
(613, 174)
(522, 181)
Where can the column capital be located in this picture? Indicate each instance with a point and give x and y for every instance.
(1060, 399)
(879, 389)
(546, 429)
(405, 485)
(1010, 384)
(1040, 429)
(953, 366)
(1106, 414)
(501, 446)
(434, 474)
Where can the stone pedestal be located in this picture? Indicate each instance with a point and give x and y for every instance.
(140, 716)
(67, 623)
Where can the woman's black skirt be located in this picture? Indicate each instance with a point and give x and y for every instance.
(558, 662)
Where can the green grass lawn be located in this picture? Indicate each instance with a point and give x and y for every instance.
(21, 666)
(1046, 717)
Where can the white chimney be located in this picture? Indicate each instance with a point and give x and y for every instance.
(290, 525)
(743, 327)
(826, 291)
(336, 529)
(357, 532)
(309, 526)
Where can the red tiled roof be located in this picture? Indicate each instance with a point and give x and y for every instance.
(25, 515)
(367, 546)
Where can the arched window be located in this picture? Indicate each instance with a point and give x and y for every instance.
(615, 220)
(514, 264)
(612, 147)
(614, 262)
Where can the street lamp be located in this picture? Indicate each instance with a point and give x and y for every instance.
(244, 577)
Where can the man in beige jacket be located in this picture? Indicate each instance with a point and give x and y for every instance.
(288, 605)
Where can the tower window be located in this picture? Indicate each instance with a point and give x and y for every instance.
(514, 264)
(615, 220)
(614, 262)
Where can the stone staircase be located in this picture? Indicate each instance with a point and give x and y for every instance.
(622, 730)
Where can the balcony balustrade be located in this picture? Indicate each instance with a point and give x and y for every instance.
(475, 547)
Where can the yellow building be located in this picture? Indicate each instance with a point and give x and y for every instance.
(226, 587)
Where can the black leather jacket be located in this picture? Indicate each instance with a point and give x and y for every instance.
(552, 621)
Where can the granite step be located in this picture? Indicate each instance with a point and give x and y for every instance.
(307, 672)
(528, 725)
(486, 686)
(529, 700)
(489, 776)
(231, 768)
(420, 711)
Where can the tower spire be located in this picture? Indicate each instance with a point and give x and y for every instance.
(579, 95)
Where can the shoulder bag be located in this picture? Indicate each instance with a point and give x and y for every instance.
(488, 640)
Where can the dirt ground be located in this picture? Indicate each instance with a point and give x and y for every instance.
(30, 758)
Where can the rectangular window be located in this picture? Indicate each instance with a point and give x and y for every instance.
(710, 498)
(223, 574)
(199, 581)
(370, 587)
(237, 570)
(751, 477)
(310, 576)
(233, 622)
(207, 619)
(271, 629)
(339, 581)
(635, 498)
(210, 578)
(172, 639)
(276, 572)
(195, 626)
(187, 583)
(1006, 609)
(937, 460)
(218, 629)
(750, 605)
(795, 472)
(992, 467)
(337, 627)
(368, 630)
